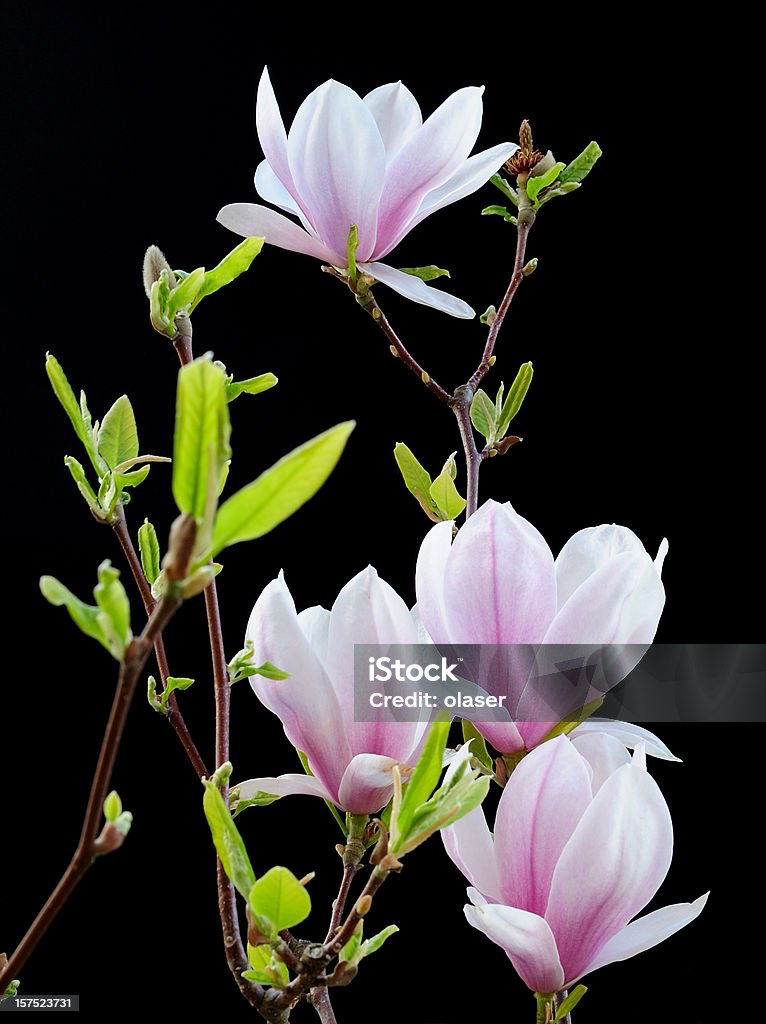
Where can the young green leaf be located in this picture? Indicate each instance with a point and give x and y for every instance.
(488, 316)
(228, 842)
(78, 475)
(174, 683)
(353, 245)
(423, 781)
(535, 184)
(149, 549)
(483, 415)
(372, 945)
(73, 410)
(230, 267)
(113, 601)
(279, 897)
(581, 166)
(558, 190)
(479, 745)
(417, 480)
(429, 273)
(499, 211)
(351, 949)
(516, 395)
(85, 616)
(187, 292)
(112, 806)
(279, 491)
(251, 386)
(510, 193)
(202, 430)
(267, 969)
(118, 436)
(444, 493)
(570, 1002)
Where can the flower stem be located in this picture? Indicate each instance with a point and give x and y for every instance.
(87, 850)
(544, 1008)
(352, 855)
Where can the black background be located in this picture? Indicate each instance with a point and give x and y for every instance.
(136, 129)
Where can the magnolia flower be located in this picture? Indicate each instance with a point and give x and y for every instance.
(371, 163)
(583, 840)
(498, 584)
(351, 761)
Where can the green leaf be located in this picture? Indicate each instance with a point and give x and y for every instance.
(479, 745)
(581, 166)
(372, 945)
(536, 183)
(483, 415)
(78, 475)
(351, 949)
(429, 273)
(187, 292)
(499, 211)
(423, 781)
(279, 897)
(230, 267)
(118, 436)
(227, 840)
(159, 305)
(258, 799)
(149, 549)
(174, 683)
(73, 410)
(112, 806)
(281, 490)
(84, 616)
(446, 807)
(444, 493)
(266, 965)
(133, 479)
(516, 395)
(499, 400)
(270, 671)
(570, 1002)
(251, 386)
(510, 193)
(114, 605)
(353, 245)
(202, 430)
(417, 480)
(558, 190)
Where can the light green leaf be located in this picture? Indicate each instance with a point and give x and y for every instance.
(281, 490)
(159, 305)
(270, 671)
(479, 745)
(202, 430)
(536, 183)
(429, 273)
(251, 386)
(516, 395)
(581, 166)
(258, 799)
(353, 245)
(84, 616)
(488, 315)
(422, 783)
(444, 809)
(112, 806)
(78, 475)
(71, 407)
(444, 493)
(113, 602)
(174, 683)
(280, 898)
(265, 964)
(118, 436)
(228, 842)
(510, 193)
(230, 268)
(351, 949)
(133, 479)
(571, 1002)
(149, 549)
(417, 479)
(559, 190)
(187, 292)
(499, 211)
(372, 945)
(483, 415)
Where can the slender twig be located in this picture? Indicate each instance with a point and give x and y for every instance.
(220, 676)
(320, 1000)
(349, 872)
(174, 716)
(461, 407)
(88, 847)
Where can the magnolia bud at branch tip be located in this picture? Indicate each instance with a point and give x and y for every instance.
(154, 264)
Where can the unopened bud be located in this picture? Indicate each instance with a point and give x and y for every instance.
(154, 264)
(375, 313)
(183, 534)
(363, 905)
(394, 353)
(307, 878)
(492, 360)
(425, 377)
(531, 267)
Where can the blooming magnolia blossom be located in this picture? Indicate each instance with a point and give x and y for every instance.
(583, 839)
(498, 584)
(372, 163)
(351, 761)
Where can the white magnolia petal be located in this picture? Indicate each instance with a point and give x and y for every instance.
(338, 163)
(271, 132)
(470, 847)
(605, 754)
(396, 113)
(629, 734)
(315, 623)
(414, 288)
(271, 190)
(430, 582)
(253, 221)
(646, 932)
(528, 941)
(588, 550)
(283, 785)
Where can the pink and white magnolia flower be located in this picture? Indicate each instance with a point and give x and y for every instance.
(373, 163)
(351, 761)
(583, 840)
(498, 584)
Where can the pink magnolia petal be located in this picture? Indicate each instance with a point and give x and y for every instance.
(284, 785)
(367, 783)
(646, 932)
(338, 163)
(500, 586)
(611, 867)
(271, 190)
(587, 551)
(620, 603)
(505, 737)
(470, 846)
(539, 810)
(527, 940)
(605, 754)
(254, 221)
(315, 623)
(396, 114)
(272, 135)
(414, 288)
(430, 581)
(305, 703)
(427, 160)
